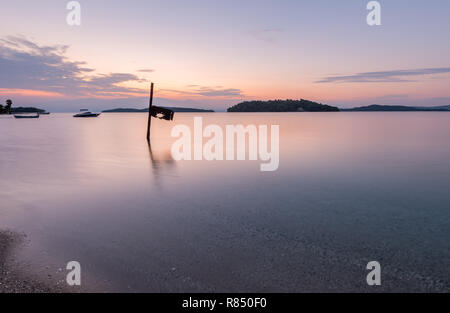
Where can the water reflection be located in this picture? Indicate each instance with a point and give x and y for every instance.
(350, 188)
(162, 163)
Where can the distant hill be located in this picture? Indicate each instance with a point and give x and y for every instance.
(282, 106)
(175, 109)
(26, 110)
(442, 107)
(395, 108)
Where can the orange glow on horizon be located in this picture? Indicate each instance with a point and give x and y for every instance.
(30, 93)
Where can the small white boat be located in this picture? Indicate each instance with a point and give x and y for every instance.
(86, 113)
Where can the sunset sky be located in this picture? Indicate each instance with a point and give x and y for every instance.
(213, 53)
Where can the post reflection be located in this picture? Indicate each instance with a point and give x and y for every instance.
(161, 161)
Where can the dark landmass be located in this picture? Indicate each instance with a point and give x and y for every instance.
(175, 109)
(396, 108)
(282, 106)
(7, 108)
(442, 107)
(26, 110)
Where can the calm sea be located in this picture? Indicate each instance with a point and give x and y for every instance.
(351, 188)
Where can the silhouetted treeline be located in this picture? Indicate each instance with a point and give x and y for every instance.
(6, 109)
(282, 106)
(396, 108)
(145, 110)
(26, 110)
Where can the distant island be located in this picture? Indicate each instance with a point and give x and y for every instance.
(396, 108)
(175, 109)
(26, 110)
(282, 106)
(310, 106)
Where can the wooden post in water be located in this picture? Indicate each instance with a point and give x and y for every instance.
(149, 123)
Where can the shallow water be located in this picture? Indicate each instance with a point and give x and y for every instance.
(351, 188)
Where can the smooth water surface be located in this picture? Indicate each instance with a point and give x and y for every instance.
(351, 188)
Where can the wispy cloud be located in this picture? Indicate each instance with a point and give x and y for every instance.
(385, 76)
(27, 65)
(393, 96)
(267, 34)
(145, 70)
(218, 91)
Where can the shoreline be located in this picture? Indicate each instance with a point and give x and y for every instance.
(14, 278)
